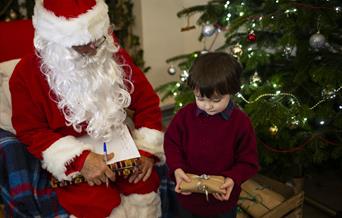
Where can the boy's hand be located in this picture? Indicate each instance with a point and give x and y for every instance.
(181, 177)
(228, 186)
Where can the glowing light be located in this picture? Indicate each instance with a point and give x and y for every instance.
(227, 4)
(288, 11)
(228, 16)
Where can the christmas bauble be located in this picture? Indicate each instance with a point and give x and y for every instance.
(172, 70)
(251, 37)
(237, 50)
(317, 40)
(273, 130)
(208, 30)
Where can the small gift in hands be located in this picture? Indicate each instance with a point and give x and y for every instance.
(206, 184)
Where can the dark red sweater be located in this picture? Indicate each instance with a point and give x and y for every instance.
(222, 144)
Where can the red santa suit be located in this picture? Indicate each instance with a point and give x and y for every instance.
(42, 126)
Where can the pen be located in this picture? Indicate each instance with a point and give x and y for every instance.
(105, 158)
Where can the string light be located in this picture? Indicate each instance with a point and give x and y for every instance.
(293, 100)
(229, 15)
(324, 99)
(267, 95)
(226, 5)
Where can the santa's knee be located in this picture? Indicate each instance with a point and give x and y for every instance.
(118, 212)
(139, 206)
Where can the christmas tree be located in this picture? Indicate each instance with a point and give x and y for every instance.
(291, 52)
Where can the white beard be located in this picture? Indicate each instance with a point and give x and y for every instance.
(89, 90)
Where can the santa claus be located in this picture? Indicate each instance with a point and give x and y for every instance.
(79, 82)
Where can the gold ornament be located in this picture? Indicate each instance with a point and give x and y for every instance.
(273, 130)
(237, 50)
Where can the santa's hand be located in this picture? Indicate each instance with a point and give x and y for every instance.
(181, 177)
(228, 186)
(146, 166)
(95, 170)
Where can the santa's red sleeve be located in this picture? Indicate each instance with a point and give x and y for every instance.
(147, 115)
(35, 118)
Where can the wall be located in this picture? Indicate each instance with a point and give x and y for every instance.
(159, 28)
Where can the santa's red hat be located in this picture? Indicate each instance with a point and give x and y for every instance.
(71, 22)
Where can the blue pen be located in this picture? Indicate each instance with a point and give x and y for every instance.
(105, 158)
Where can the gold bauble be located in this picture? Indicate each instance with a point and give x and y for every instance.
(237, 50)
(273, 130)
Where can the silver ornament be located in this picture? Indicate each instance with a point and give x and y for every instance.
(208, 30)
(317, 40)
(172, 70)
(204, 51)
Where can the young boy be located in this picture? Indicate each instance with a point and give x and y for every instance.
(211, 136)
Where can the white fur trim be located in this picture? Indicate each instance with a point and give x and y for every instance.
(119, 211)
(141, 205)
(60, 153)
(150, 140)
(86, 28)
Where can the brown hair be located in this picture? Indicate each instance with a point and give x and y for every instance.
(215, 72)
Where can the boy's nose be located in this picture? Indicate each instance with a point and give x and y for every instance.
(208, 106)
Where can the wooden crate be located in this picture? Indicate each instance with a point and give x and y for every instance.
(289, 207)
